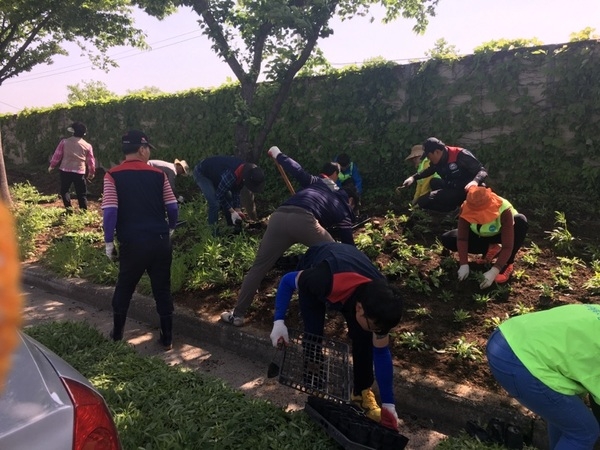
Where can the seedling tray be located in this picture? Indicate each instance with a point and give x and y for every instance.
(315, 365)
(350, 428)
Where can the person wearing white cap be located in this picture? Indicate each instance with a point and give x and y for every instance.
(172, 170)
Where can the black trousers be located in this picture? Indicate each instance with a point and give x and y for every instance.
(78, 179)
(479, 244)
(442, 198)
(136, 258)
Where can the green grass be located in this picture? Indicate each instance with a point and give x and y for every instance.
(157, 406)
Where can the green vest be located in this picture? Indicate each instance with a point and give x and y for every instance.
(492, 228)
(560, 347)
(346, 176)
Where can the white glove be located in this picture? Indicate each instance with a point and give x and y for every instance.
(408, 181)
(273, 152)
(171, 231)
(471, 184)
(279, 333)
(463, 272)
(50, 169)
(389, 416)
(237, 216)
(489, 277)
(180, 199)
(110, 251)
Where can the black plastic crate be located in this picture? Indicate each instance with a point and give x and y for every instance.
(315, 365)
(350, 428)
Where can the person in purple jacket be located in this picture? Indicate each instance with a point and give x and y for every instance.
(340, 277)
(303, 218)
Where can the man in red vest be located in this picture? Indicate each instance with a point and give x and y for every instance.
(458, 169)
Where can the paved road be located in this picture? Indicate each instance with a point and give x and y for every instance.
(239, 373)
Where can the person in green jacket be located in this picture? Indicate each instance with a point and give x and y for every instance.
(548, 360)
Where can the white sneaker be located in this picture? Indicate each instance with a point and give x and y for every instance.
(230, 318)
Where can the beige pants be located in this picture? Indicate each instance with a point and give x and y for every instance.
(288, 225)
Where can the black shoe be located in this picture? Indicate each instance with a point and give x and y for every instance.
(116, 334)
(166, 332)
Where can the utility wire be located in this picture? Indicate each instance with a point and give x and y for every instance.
(86, 65)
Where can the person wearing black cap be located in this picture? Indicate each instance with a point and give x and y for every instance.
(458, 169)
(340, 277)
(139, 204)
(73, 156)
(221, 178)
(303, 218)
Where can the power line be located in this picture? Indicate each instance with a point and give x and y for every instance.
(87, 65)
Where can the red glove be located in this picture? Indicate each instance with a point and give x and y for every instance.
(389, 417)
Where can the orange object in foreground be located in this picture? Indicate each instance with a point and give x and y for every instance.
(10, 294)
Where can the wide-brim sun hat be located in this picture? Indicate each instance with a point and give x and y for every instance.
(253, 177)
(184, 165)
(481, 206)
(415, 152)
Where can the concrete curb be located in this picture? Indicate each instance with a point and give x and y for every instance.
(446, 405)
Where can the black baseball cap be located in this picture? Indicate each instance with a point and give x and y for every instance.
(254, 177)
(134, 138)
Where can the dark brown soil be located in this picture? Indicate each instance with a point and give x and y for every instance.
(439, 327)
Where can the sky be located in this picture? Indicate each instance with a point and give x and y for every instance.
(181, 58)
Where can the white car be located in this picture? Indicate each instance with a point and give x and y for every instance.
(47, 404)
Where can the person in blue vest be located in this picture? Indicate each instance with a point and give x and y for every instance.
(458, 170)
(221, 178)
(138, 203)
(487, 220)
(349, 173)
(303, 218)
(340, 277)
(548, 361)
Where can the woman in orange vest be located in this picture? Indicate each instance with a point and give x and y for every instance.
(486, 221)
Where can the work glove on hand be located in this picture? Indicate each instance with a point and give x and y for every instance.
(237, 217)
(50, 169)
(111, 253)
(279, 335)
(471, 184)
(489, 277)
(171, 231)
(273, 152)
(180, 199)
(463, 272)
(389, 416)
(408, 181)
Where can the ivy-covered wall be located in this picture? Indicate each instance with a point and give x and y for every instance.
(530, 115)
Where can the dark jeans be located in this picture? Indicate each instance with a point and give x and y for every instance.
(479, 244)
(78, 179)
(135, 258)
(313, 315)
(571, 424)
(208, 190)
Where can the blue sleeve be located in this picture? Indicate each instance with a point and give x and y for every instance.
(109, 223)
(384, 373)
(296, 170)
(357, 178)
(286, 289)
(172, 214)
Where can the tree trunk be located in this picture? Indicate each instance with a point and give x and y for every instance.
(4, 191)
